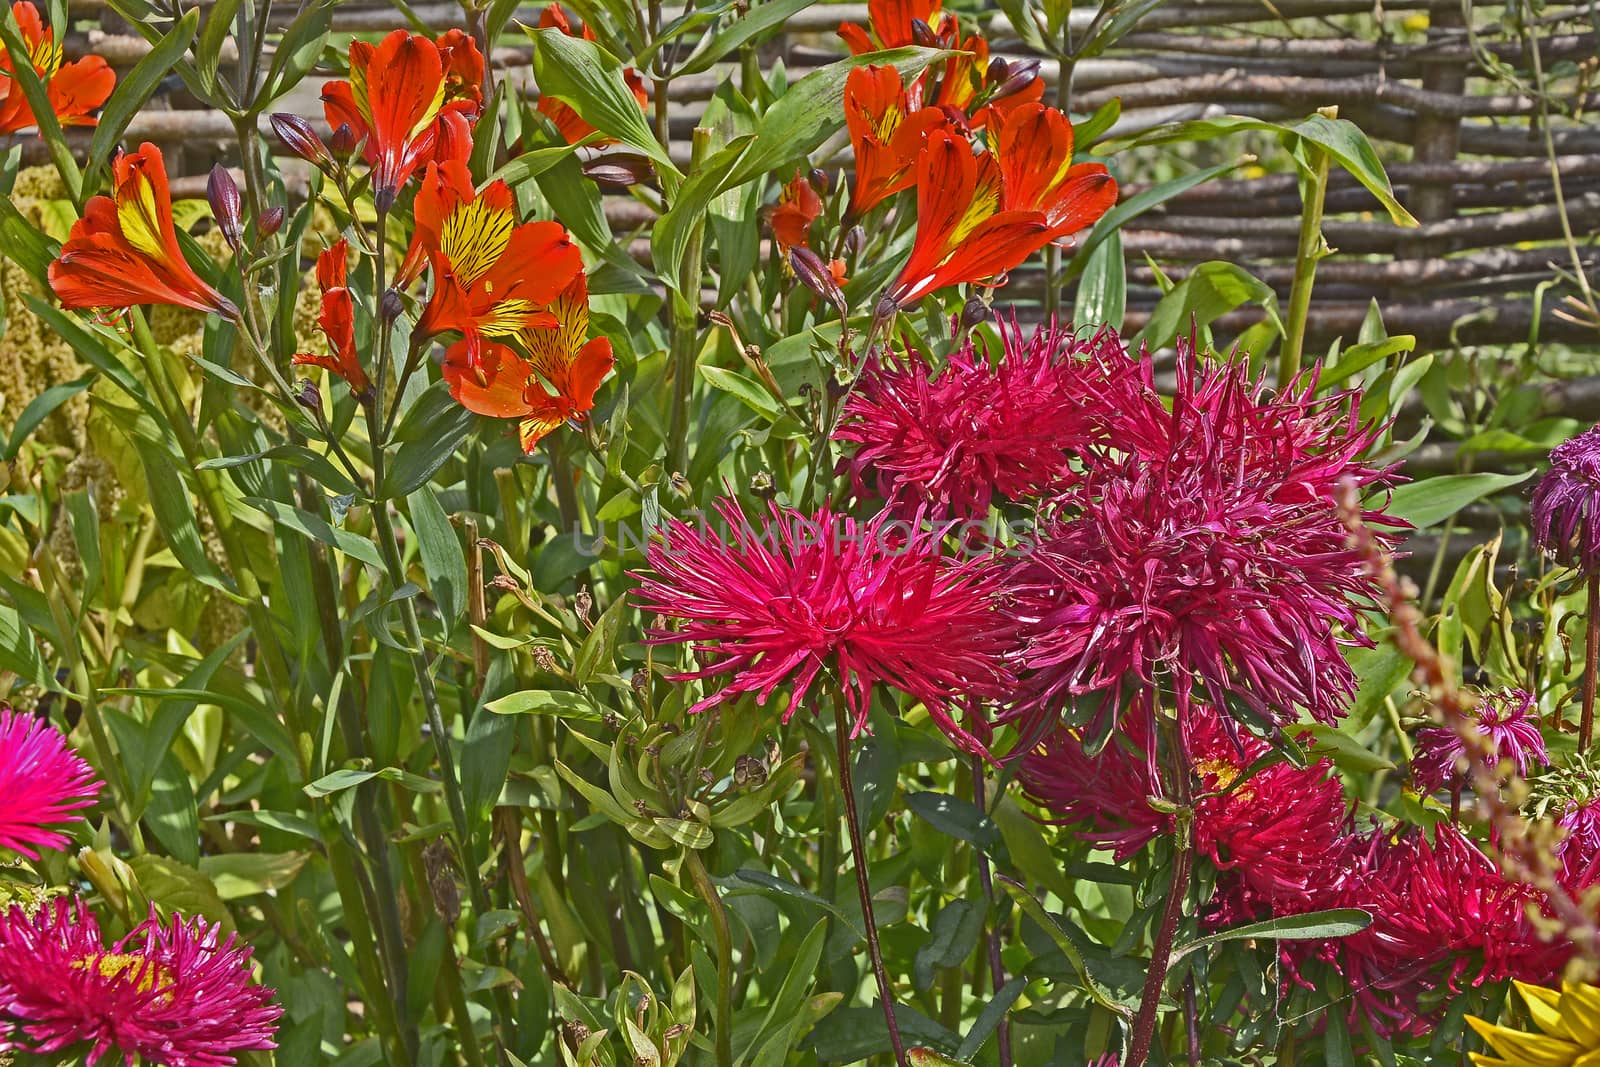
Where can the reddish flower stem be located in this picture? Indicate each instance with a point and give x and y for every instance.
(858, 853)
(997, 969)
(1144, 1024)
(1591, 664)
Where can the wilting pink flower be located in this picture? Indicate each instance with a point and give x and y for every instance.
(1444, 919)
(1504, 717)
(950, 437)
(866, 602)
(42, 783)
(1565, 519)
(1212, 562)
(177, 994)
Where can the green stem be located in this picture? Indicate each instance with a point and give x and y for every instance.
(1591, 665)
(719, 929)
(450, 780)
(685, 323)
(1308, 252)
(380, 1006)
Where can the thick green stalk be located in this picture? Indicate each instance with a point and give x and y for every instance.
(449, 777)
(1307, 254)
(719, 929)
(379, 1006)
(684, 327)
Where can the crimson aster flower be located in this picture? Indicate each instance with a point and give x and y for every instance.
(1211, 561)
(870, 603)
(1505, 717)
(1444, 919)
(43, 784)
(952, 437)
(1565, 519)
(173, 993)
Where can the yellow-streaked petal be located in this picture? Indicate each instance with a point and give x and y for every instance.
(1580, 1005)
(1525, 1049)
(1546, 1010)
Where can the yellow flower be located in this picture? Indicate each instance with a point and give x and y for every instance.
(1568, 1034)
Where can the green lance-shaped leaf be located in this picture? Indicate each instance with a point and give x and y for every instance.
(1340, 138)
(133, 92)
(589, 80)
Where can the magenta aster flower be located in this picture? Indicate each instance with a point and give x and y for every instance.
(1106, 796)
(1565, 501)
(1280, 837)
(1505, 717)
(1214, 564)
(1444, 919)
(867, 602)
(173, 994)
(42, 783)
(949, 438)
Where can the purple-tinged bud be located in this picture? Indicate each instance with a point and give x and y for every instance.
(923, 34)
(308, 396)
(345, 141)
(390, 306)
(1566, 504)
(296, 134)
(999, 71)
(974, 314)
(271, 221)
(223, 194)
(820, 181)
(619, 170)
(1022, 76)
(855, 240)
(815, 275)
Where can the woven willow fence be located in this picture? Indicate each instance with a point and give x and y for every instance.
(1475, 111)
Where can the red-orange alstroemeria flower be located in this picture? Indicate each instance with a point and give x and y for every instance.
(573, 128)
(892, 24)
(980, 216)
(796, 210)
(551, 380)
(412, 99)
(124, 251)
(888, 127)
(337, 320)
(74, 89)
(492, 275)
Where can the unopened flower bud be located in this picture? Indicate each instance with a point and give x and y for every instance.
(855, 240)
(345, 141)
(998, 72)
(222, 192)
(1019, 80)
(308, 396)
(296, 134)
(815, 275)
(271, 221)
(583, 603)
(761, 485)
(820, 181)
(974, 314)
(390, 306)
(923, 34)
(544, 659)
(619, 170)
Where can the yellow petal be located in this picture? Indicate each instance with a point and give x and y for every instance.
(1580, 1005)
(1525, 1049)
(1546, 1009)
